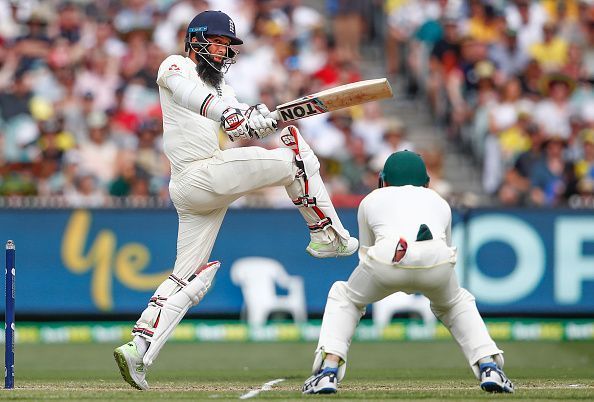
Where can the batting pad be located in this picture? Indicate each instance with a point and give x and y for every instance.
(175, 308)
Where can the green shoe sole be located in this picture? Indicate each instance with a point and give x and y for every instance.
(124, 369)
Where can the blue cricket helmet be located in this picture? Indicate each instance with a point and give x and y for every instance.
(212, 23)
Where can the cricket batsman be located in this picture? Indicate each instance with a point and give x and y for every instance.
(196, 103)
(406, 245)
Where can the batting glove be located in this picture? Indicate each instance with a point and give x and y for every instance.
(235, 123)
(260, 120)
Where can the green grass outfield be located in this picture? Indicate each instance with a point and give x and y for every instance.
(430, 371)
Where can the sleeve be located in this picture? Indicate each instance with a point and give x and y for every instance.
(366, 239)
(172, 65)
(230, 98)
(174, 76)
(448, 231)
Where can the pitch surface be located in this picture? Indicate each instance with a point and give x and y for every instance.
(429, 371)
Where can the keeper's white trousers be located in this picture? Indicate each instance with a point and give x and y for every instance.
(427, 268)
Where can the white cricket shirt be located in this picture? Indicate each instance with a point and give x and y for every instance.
(187, 135)
(394, 212)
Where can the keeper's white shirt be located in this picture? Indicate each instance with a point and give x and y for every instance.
(393, 212)
(188, 136)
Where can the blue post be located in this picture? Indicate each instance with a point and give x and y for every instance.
(9, 317)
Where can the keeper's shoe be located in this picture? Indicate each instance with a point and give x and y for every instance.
(493, 379)
(131, 366)
(324, 382)
(337, 248)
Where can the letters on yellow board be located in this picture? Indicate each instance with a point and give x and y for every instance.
(105, 259)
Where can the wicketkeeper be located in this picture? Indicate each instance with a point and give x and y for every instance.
(405, 245)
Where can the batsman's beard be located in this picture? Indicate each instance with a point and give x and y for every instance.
(208, 73)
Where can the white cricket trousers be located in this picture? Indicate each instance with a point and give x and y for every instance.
(201, 195)
(427, 268)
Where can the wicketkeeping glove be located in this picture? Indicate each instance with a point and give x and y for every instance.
(260, 120)
(235, 123)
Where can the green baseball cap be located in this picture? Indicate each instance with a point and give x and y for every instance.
(405, 168)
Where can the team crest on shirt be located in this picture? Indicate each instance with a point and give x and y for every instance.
(174, 67)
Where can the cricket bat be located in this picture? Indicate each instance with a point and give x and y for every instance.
(334, 99)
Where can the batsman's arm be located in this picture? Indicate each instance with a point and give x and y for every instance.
(189, 94)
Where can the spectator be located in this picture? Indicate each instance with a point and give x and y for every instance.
(177, 16)
(486, 99)
(483, 24)
(121, 186)
(69, 22)
(134, 14)
(584, 167)
(552, 179)
(123, 121)
(461, 85)
(403, 19)
(527, 18)
(355, 166)
(370, 127)
(54, 141)
(444, 58)
(86, 192)
(347, 26)
(433, 158)
(551, 52)
(98, 155)
(149, 157)
(394, 140)
(100, 78)
(516, 183)
(15, 101)
(574, 67)
(508, 57)
(33, 46)
(505, 114)
(104, 39)
(566, 15)
(554, 111)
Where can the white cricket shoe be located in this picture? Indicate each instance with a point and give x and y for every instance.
(336, 248)
(131, 366)
(493, 379)
(324, 382)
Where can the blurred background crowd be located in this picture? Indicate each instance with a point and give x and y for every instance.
(508, 81)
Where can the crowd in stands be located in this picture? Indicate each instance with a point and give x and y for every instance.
(509, 80)
(80, 120)
(512, 84)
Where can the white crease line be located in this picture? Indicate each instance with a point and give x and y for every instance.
(266, 387)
